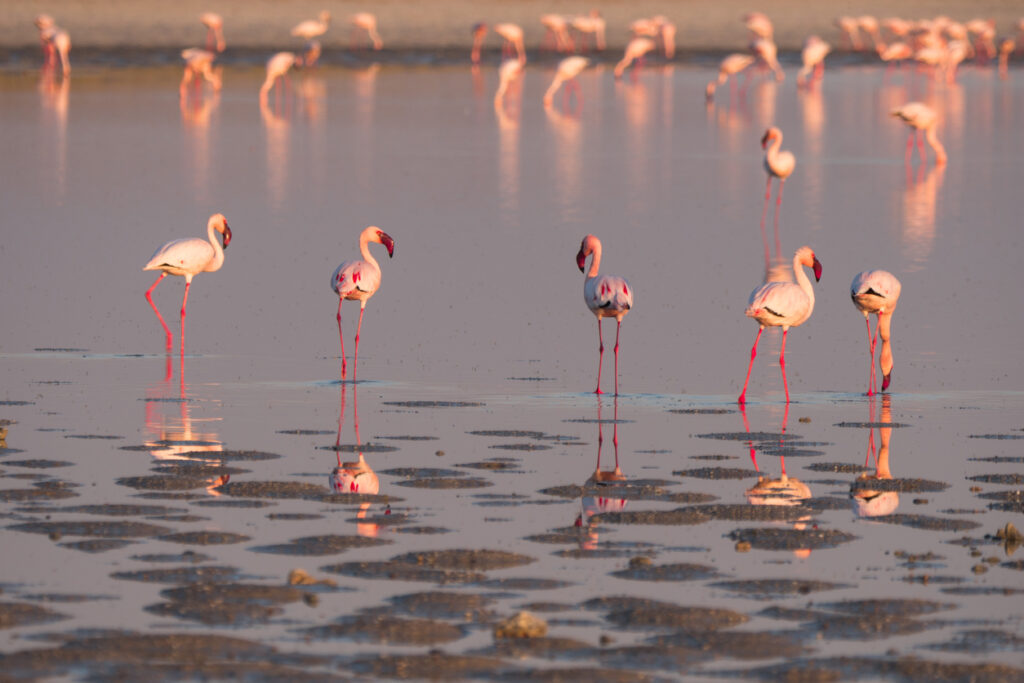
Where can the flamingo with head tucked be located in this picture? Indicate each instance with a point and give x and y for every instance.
(877, 291)
(188, 258)
(607, 296)
(785, 305)
(513, 36)
(359, 280)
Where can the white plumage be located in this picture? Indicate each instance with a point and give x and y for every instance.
(877, 291)
(607, 296)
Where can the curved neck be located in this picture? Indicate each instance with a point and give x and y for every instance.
(595, 262)
(773, 148)
(218, 251)
(933, 140)
(364, 249)
(802, 279)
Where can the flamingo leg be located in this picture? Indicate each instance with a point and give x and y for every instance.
(910, 147)
(149, 298)
(600, 356)
(355, 359)
(746, 427)
(764, 215)
(618, 325)
(753, 355)
(184, 303)
(615, 432)
(920, 145)
(871, 348)
(782, 363)
(778, 206)
(341, 339)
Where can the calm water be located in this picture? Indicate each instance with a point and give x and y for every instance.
(482, 305)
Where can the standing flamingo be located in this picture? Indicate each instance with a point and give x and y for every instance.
(783, 304)
(778, 164)
(568, 69)
(311, 29)
(479, 32)
(730, 66)
(198, 63)
(513, 35)
(214, 24)
(813, 57)
(359, 280)
(556, 31)
(509, 71)
(367, 22)
(607, 296)
(590, 24)
(922, 119)
(278, 67)
(768, 52)
(877, 291)
(189, 257)
(635, 50)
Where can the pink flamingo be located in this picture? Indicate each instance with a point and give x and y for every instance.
(509, 71)
(732, 65)
(607, 296)
(479, 32)
(568, 69)
(198, 63)
(635, 50)
(768, 52)
(278, 67)
(783, 304)
(590, 24)
(813, 57)
(778, 164)
(359, 280)
(367, 22)
(759, 25)
(189, 257)
(513, 35)
(922, 120)
(214, 24)
(309, 30)
(55, 41)
(877, 291)
(44, 22)
(556, 31)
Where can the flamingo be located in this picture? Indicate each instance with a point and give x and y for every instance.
(557, 30)
(607, 296)
(813, 56)
(730, 66)
(877, 291)
(44, 22)
(783, 304)
(278, 67)
(367, 22)
(513, 35)
(214, 24)
(668, 36)
(359, 280)
(586, 25)
(869, 25)
(56, 42)
(849, 32)
(312, 28)
(189, 257)
(922, 119)
(568, 69)
(635, 50)
(759, 25)
(198, 63)
(479, 31)
(1006, 48)
(509, 71)
(778, 164)
(768, 52)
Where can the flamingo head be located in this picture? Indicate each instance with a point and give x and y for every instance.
(817, 269)
(886, 379)
(768, 136)
(806, 257)
(387, 241)
(480, 29)
(220, 224)
(226, 236)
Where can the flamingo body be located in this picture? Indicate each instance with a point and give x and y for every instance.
(311, 28)
(635, 49)
(568, 69)
(878, 292)
(607, 296)
(813, 57)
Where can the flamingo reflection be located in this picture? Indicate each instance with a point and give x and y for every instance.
(277, 129)
(172, 436)
(196, 115)
(867, 501)
(54, 94)
(920, 199)
(355, 477)
(592, 502)
(778, 164)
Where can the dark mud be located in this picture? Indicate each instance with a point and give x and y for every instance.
(387, 629)
(320, 545)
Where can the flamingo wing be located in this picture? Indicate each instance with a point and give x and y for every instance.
(355, 280)
(608, 293)
(182, 257)
(778, 303)
(875, 290)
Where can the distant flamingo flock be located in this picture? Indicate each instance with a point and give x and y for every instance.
(938, 45)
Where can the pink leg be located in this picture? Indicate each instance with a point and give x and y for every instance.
(782, 363)
(753, 355)
(342, 340)
(746, 427)
(871, 348)
(910, 146)
(778, 205)
(149, 298)
(355, 358)
(184, 303)
(618, 325)
(764, 215)
(600, 356)
(920, 145)
(615, 432)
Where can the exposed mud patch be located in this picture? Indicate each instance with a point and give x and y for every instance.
(524, 584)
(838, 467)
(445, 483)
(887, 607)
(38, 464)
(407, 437)
(108, 437)
(401, 571)
(293, 516)
(467, 607)
(205, 538)
(741, 645)
(279, 490)
(791, 539)
(928, 523)
(521, 446)
(422, 472)
(764, 589)
(41, 492)
(900, 485)
(699, 514)
(388, 629)
(231, 456)
(320, 545)
(865, 668)
(198, 469)
(474, 560)
(1006, 479)
(749, 436)
(234, 604)
(122, 510)
(14, 614)
(368, 447)
(676, 617)
(508, 433)
(433, 404)
(96, 545)
(305, 432)
(433, 666)
(1000, 437)
(186, 556)
(163, 483)
(667, 572)
(702, 411)
(86, 528)
(871, 425)
(972, 642)
(180, 575)
(495, 465)
(717, 473)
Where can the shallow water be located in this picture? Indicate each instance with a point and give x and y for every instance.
(477, 355)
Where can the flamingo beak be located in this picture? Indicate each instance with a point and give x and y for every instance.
(765, 138)
(817, 269)
(581, 260)
(885, 380)
(388, 243)
(226, 236)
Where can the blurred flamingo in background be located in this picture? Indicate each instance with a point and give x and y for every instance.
(556, 33)
(278, 67)
(508, 72)
(607, 296)
(877, 291)
(1006, 48)
(785, 305)
(479, 33)
(309, 30)
(568, 69)
(759, 25)
(366, 21)
(635, 51)
(513, 36)
(813, 57)
(922, 120)
(359, 280)
(768, 52)
(214, 24)
(731, 66)
(198, 63)
(188, 258)
(779, 164)
(55, 41)
(586, 25)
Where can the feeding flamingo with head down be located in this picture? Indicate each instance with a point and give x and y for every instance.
(366, 21)
(635, 51)
(188, 258)
(568, 69)
(607, 296)
(813, 57)
(877, 291)
(214, 24)
(922, 120)
(785, 305)
(358, 280)
(731, 66)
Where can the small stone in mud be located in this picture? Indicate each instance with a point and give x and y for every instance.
(743, 546)
(522, 625)
(979, 569)
(975, 489)
(311, 599)
(639, 561)
(920, 501)
(439, 454)
(300, 577)
(804, 419)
